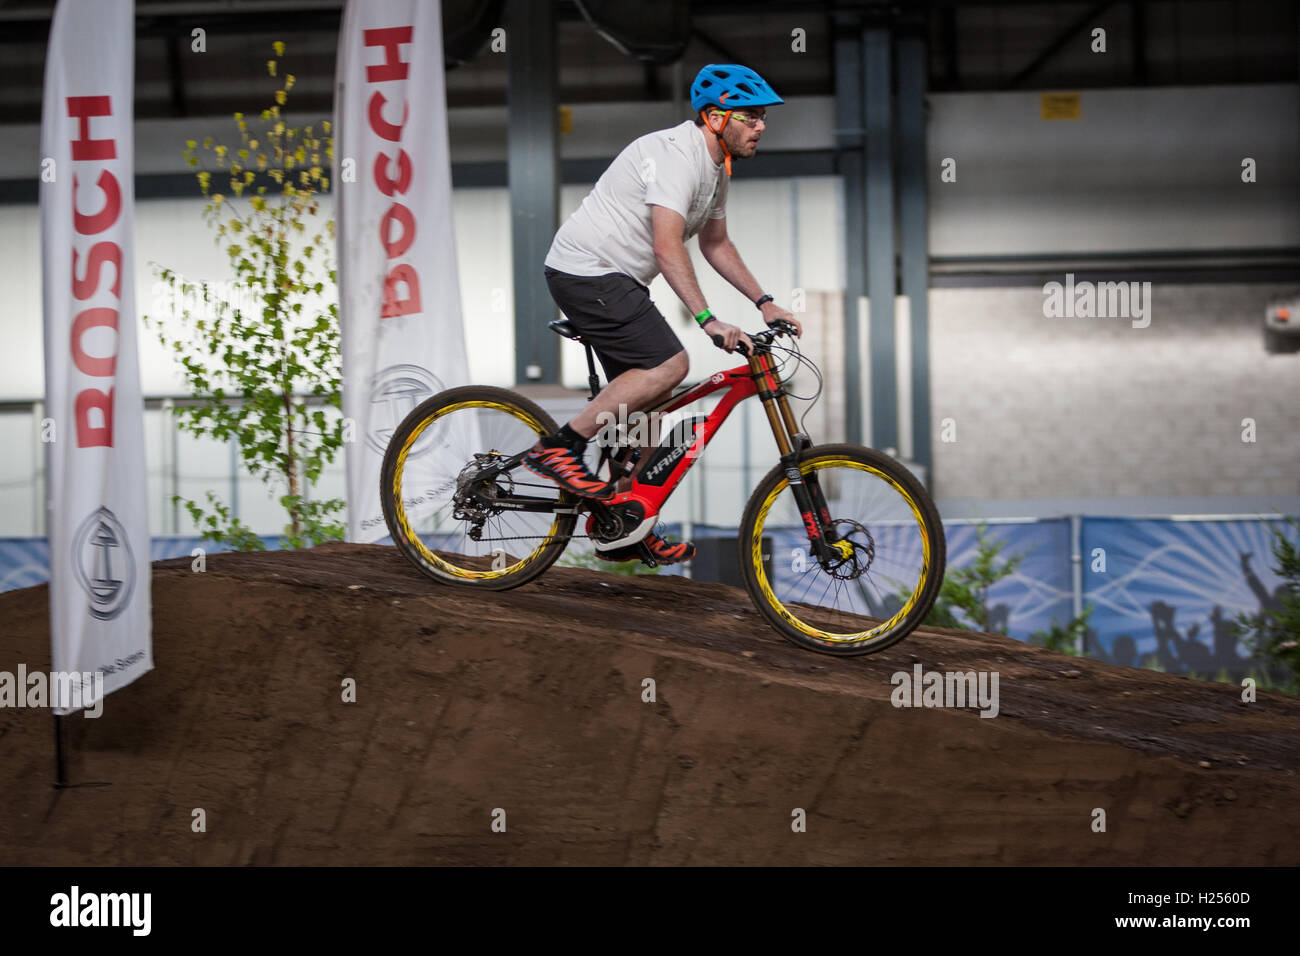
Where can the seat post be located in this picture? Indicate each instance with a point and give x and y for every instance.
(562, 327)
(593, 380)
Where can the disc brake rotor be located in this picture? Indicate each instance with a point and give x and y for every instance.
(857, 550)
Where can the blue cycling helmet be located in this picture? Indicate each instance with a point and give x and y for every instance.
(731, 86)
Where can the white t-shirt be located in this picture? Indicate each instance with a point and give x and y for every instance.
(611, 231)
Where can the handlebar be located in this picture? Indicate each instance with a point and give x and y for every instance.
(761, 339)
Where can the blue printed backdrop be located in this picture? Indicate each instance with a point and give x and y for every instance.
(1039, 591)
(1168, 592)
(25, 562)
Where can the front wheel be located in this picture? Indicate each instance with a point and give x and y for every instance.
(883, 566)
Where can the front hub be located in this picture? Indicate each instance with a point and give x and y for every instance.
(854, 551)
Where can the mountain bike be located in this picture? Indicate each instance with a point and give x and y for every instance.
(841, 548)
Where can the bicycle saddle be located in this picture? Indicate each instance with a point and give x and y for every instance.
(562, 327)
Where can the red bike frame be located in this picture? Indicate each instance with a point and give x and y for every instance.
(758, 377)
(647, 493)
(739, 385)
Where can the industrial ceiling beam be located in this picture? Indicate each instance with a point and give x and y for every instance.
(708, 40)
(1057, 44)
(176, 76)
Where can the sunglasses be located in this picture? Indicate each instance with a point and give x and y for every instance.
(750, 118)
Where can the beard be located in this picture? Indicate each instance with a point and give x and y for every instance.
(742, 145)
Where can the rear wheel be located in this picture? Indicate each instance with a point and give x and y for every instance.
(440, 509)
(888, 552)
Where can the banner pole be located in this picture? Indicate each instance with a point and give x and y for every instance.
(60, 768)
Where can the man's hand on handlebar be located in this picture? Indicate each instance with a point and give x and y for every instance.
(729, 335)
(773, 313)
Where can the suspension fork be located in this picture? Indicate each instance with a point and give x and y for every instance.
(802, 441)
(791, 443)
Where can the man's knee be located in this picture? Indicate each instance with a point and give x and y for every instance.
(672, 372)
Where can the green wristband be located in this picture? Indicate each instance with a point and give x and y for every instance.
(705, 317)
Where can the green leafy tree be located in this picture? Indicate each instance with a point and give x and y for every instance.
(967, 589)
(252, 353)
(1273, 635)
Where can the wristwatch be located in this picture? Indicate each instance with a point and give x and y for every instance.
(759, 303)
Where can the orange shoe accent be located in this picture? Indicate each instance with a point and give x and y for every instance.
(663, 552)
(567, 470)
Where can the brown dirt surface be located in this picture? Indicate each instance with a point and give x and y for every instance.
(530, 702)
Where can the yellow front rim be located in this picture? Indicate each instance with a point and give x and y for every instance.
(430, 556)
(756, 546)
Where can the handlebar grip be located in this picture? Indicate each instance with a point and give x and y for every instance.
(740, 346)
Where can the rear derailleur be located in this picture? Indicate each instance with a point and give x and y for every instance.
(472, 502)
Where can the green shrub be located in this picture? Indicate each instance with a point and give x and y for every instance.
(1273, 635)
(967, 589)
(1067, 639)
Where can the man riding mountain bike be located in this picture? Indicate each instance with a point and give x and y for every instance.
(661, 190)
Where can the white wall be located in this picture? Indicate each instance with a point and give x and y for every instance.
(1094, 408)
(1141, 169)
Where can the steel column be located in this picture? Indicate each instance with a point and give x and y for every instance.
(534, 178)
(881, 285)
(848, 144)
(913, 230)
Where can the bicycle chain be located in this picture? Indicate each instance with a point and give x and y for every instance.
(534, 537)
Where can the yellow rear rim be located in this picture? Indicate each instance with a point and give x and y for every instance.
(432, 557)
(756, 546)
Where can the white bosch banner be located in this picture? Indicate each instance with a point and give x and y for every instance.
(96, 491)
(399, 295)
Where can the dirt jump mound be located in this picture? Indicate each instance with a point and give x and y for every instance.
(333, 706)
